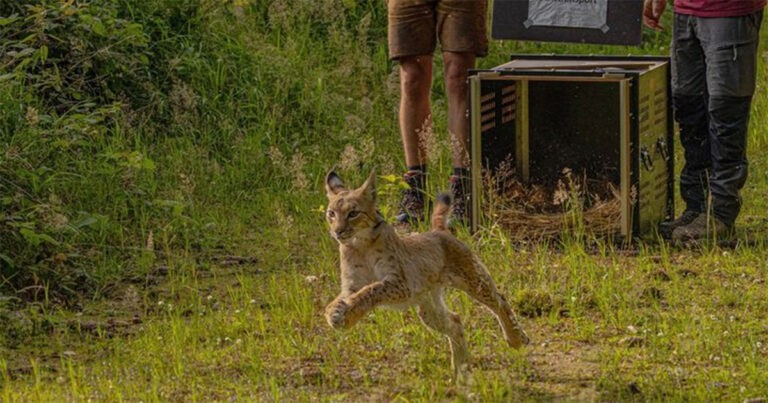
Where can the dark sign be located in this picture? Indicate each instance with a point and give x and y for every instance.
(615, 22)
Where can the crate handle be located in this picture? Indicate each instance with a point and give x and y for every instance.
(661, 146)
(645, 157)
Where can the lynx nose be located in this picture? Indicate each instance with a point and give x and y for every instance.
(339, 233)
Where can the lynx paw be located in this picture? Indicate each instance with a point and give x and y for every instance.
(336, 314)
(524, 336)
(519, 339)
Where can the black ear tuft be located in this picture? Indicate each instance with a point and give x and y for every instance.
(333, 184)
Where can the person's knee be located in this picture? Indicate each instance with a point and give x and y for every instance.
(690, 110)
(734, 110)
(456, 83)
(456, 71)
(415, 77)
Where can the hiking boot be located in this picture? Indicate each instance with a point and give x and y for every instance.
(666, 227)
(412, 204)
(702, 227)
(460, 191)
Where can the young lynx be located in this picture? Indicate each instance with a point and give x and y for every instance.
(380, 268)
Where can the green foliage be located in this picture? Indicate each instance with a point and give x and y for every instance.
(124, 121)
(70, 56)
(77, 93)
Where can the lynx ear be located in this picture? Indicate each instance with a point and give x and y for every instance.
(333, 184)
(369, 187)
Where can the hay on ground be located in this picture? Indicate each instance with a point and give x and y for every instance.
(572, 203)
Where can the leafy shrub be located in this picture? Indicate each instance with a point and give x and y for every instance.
(74, 76)
(70, 54)
(132, 125)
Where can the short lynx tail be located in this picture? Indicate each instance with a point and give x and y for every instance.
(441, 212)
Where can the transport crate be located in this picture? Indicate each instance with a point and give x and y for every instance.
(605, 116)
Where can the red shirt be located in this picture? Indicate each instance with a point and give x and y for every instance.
(718, 8)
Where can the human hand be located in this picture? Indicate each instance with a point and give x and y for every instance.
(652, 11)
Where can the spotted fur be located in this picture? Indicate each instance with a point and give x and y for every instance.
(378, 267)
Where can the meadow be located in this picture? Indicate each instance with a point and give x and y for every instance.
(162, 233)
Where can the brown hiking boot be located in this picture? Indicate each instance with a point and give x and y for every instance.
(666, 227)
(702, 227)
(412, 204)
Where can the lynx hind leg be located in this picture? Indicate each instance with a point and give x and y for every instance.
(436, 315)
(480, 286)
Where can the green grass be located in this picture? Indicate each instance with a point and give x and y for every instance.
(658, 326)
(209, 268)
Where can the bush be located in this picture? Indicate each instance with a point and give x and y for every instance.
(132, 125)
(79, 77)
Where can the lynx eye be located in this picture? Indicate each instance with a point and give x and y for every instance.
(331, 214)
(353, 214)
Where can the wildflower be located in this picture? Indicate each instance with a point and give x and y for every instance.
(32, 116)
(300, 181)
(349, 158)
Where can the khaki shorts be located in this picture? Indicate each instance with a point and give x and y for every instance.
(416, 25)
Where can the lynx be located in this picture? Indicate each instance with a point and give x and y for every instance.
(381, 268)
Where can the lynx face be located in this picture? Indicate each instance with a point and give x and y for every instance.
(351, 213)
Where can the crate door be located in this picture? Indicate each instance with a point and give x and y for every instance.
(654, 150)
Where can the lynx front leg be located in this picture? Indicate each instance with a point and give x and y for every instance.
(345, 312)
(436, 315)
(335, 312)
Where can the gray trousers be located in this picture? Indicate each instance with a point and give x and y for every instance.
(714, 64)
